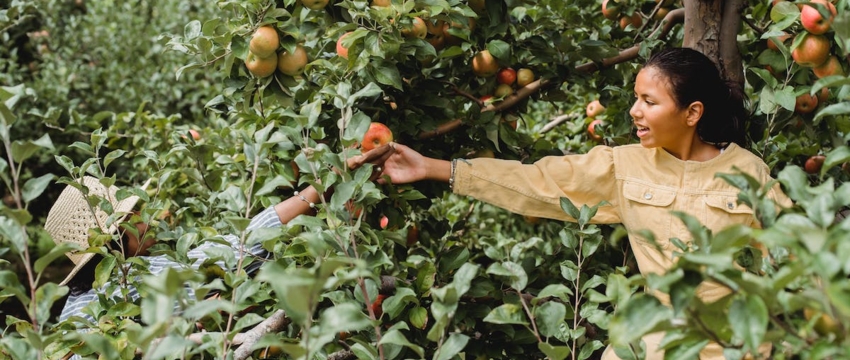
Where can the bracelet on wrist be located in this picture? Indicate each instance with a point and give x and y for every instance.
(304, 199)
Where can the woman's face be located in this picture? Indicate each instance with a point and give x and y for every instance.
(659, 120)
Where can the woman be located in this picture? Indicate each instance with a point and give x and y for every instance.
(690, 126)
(71, 217)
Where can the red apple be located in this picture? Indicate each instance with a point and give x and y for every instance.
(265, 42)
(384, 222)
(591, 129)
(781, 38)
(412, 235)
(823, 95)
(635, 21)
(812, 20)
(805, 104)
(506, 76)
(594, 108)
(377, 135)
(812, 51)
(342, 50)
(377, 309)
(814, 164)
(610, 10)
(484, 64)
(830, 67)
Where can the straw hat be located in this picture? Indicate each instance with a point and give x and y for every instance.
(70, 218)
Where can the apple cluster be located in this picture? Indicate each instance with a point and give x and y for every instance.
(810, 46)
(614, 10)
(263, 57)
(594, 109)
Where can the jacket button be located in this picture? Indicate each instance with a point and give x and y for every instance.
(647, 196)
(730, 205)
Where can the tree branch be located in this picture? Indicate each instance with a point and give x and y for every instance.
(341, 355)
(558, 120)
(730, 58)
(272, 324)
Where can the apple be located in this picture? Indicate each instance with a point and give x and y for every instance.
(610, 11)
(805, 104)
(484, 64)
(264, 42)
(811, 19)
(293, 63)
(384, 222)
(594, 108)
(194, 133)
(635, 21)
(487, 99)
(591, 129)
(533, 220)
(830, 67)
(506, 76)
(661, 14)
(814, 164)
(314, 4)
(260, 66)
(412, 235)
(381, 3)
(781, 38)
(342, 50)
(823, 95)
(503, 91)
(524, 77)
(477, 5)
(377, 135)
(812, 51)
(416, 29)
(824, 325)
(9, 200)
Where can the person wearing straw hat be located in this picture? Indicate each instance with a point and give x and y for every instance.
(71, 218)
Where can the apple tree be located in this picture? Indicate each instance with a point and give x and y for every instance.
(384, 271)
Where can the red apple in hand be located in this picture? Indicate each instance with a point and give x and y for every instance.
(814, 164)
(377, 135)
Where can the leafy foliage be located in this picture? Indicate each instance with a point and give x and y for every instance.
(448, 277)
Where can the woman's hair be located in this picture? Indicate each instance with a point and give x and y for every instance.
(694, 77)
(82, 282)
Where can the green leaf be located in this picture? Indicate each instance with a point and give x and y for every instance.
(14, 233)
(785, 98)
(23, 150)
(549, 317)
(451, 347)
(507, 314)
(835, 157)
(569, 270)
(394, 336)
(639, 316)
(500, 50)
(834, 109)
(34, 187)
(103, 271)
(555, 290)
(748, 319)
(554, 352)
(570, 208)
(55, 252)
(192, 30)
(387, 73)
(418, 317)
(347, 317)
(518, 279)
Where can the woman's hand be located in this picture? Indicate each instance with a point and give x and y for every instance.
(376, 156)
(406, 166)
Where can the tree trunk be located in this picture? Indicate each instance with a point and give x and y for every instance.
(711, 27)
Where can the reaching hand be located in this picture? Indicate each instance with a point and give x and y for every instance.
(406, 165)
(376, 156)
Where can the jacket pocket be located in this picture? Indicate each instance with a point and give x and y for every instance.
(649, 208)
(723, 210)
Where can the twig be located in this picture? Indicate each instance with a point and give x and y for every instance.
(272, 324)
(558, 120)
(465, 94)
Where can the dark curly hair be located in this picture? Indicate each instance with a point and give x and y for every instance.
(694, 77)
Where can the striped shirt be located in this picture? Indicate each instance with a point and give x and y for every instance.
(266, 219)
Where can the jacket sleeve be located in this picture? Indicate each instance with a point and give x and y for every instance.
(536, 189)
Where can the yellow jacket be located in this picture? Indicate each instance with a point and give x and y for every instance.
(642, 187)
